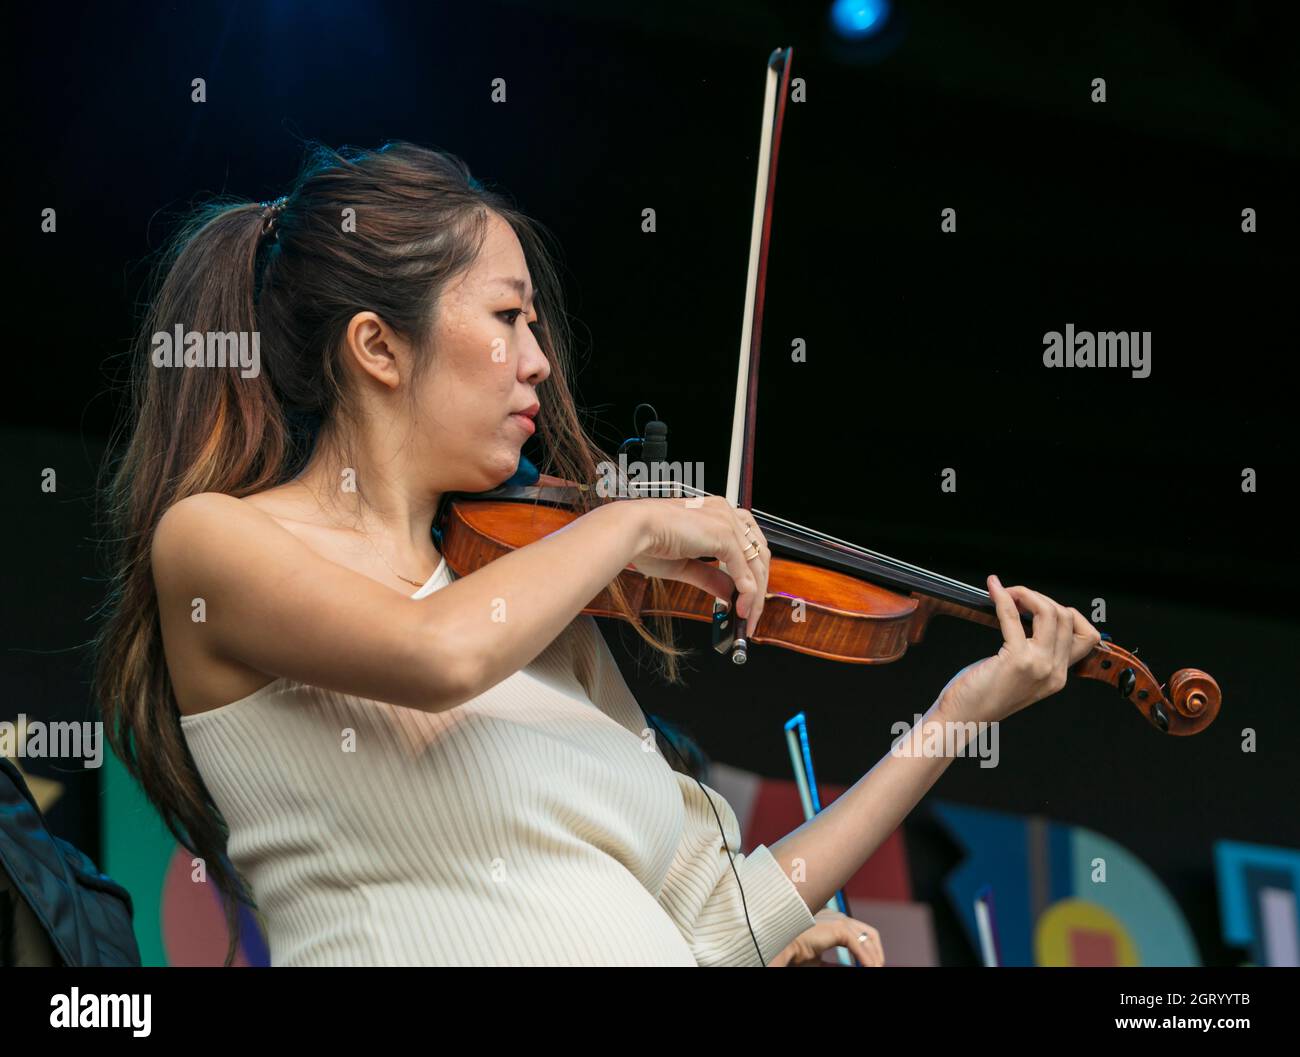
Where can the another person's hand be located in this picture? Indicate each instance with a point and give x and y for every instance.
(833, 929)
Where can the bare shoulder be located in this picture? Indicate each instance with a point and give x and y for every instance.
(198, 518)
(244, 598)
(209, 530)
(218, 548)
(192, 509)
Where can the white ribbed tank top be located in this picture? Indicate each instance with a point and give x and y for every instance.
(533, 825)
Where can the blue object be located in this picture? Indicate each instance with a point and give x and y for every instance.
(525, 474)
(858, 19)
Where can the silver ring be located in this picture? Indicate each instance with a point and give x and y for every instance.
(862, 938)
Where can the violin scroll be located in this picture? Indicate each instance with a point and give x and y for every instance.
(1187, 704)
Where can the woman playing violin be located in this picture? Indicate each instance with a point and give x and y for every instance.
(395, 764)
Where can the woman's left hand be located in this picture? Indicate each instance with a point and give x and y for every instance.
(833, 929)
(1027, 668)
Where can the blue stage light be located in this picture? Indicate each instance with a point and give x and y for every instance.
(859, 19)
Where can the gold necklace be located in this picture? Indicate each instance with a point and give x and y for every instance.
(416, 583)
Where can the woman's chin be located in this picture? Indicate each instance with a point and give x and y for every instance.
(502, 469)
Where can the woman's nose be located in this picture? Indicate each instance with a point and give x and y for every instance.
(534, 367)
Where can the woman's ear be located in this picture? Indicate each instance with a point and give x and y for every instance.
(375, 348)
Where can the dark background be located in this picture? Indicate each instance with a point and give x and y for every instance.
(924, 349)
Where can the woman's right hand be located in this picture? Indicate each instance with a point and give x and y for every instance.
(676, 533)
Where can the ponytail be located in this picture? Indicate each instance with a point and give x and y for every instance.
(196, 430)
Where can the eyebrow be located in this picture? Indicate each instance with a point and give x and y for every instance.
(514, 284)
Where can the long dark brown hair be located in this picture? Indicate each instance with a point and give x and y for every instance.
(419, 219)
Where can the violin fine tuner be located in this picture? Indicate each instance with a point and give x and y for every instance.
(725, 639)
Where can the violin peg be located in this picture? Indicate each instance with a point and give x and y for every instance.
(1127, 681)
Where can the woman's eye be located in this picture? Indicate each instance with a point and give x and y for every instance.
(511, 316)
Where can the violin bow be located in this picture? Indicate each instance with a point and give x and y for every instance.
(729, 635)
(740, 466)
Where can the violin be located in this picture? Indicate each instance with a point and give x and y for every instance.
(826, 597)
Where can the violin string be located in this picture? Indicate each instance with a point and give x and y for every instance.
(885, 558)
(813, 534)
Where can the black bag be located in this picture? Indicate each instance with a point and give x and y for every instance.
(56, 908)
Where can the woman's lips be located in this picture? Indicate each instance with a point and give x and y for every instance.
(525, 423)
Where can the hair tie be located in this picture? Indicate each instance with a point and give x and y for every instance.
(271, 214)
